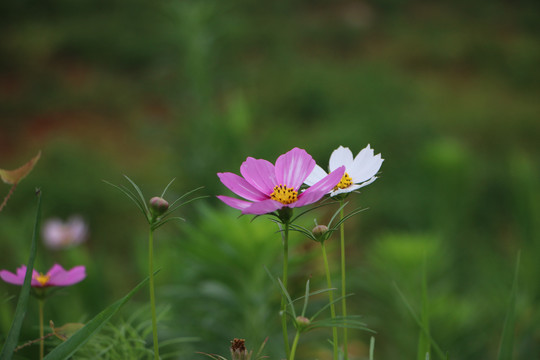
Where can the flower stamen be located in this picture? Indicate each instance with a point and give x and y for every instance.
(344, 183)
(42, 279)
(283, 194)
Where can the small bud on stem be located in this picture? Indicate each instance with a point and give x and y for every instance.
(158, 206)
(319, 232)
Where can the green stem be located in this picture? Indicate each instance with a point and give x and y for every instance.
(42, 341)
(152, 296)
(295, 343)
(343, 282)
(283, 299)
(331, 298)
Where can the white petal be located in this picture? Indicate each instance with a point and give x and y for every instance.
(346, 190)
(365, 165)
(316, 175)
(341, 156)
(365, 183)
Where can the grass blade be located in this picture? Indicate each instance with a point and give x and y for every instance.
(423, 337)
(438, 350)
(506, 347)
(71, 345)
(22, 304)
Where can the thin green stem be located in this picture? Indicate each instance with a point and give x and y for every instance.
(42, 341)
(331, 298)
(343, 281)
(294, 345)
(152, 295)
(283, 299)
(8, 196)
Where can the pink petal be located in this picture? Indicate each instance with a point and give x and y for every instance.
(241, 187)
(21, 272)
(316, 192)
(316, 175)
(263, 207)
(293, 167)
(259, 173)
(61, 277)
(11, 278)
(18, 277)
(235, 203)
(55, 270)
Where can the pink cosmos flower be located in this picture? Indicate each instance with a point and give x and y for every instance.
(56, 276)
(268, 188)
(58, 235)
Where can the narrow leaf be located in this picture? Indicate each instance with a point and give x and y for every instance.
(12, 177)
(186, 194)
(138, 192)
(173, 208)
(22, 304)
(423, 338)
(306, 299)
(159, 223)
(71, 345)
(419, 323)
(507, 338)
(308, 210)
(328, 305)
(167, 187)
(371, 347)
(287, 296)
(337, 213)
(130, 195)
(351, 214)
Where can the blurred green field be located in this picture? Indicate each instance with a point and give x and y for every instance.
(447, 92)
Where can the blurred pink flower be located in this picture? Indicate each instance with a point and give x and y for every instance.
(56, 276)
(360, 170)
(58, 235)
(268, 188)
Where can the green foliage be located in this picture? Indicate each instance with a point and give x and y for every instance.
(426, 338)
(351, 321)
(128, 339)
(81, 337)
(221, 264)
(447, 91)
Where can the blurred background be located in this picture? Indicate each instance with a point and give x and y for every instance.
(447, 92)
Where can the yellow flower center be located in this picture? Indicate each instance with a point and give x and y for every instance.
(345, 182)
(285, 195)
(42, 279)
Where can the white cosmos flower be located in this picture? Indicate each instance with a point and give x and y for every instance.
(359, 171)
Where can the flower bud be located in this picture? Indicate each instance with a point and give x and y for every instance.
(238, 350)
(302, 322)
(319, 232)
(158, 206)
